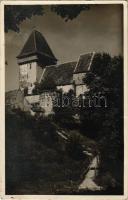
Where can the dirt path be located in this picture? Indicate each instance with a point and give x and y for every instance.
(88, 182)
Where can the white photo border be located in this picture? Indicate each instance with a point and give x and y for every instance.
(2, 104)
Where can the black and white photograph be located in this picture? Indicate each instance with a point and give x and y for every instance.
(64, 98)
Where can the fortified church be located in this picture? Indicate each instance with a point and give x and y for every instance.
(37, 62)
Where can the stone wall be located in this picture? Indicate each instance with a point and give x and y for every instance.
(78, 78)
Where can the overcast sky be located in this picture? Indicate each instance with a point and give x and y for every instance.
(98, 29)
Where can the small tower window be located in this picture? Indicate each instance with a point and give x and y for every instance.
(30, 66)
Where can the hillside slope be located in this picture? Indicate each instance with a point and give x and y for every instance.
(38, 161)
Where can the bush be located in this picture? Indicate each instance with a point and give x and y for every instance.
(34, 162)
(74, 146)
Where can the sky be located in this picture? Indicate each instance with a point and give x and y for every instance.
(98, 29)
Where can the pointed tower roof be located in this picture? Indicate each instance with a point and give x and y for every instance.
(36, 45)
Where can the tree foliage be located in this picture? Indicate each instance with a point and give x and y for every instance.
(105, 79)
(69, 12)
(64, 111)
(16, 14)
(35, 162)
(44, 85)
(105, 124)
(74, 147)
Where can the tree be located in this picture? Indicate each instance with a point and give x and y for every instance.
(104, 80)
(16, 14)
(69, 12)
(64, 111)
(74, 146)
(105, 124)
(44, 85)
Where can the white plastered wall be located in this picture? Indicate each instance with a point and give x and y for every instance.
(65, 88)
(81, 89)
(32, 72)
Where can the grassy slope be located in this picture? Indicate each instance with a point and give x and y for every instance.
(36, 163)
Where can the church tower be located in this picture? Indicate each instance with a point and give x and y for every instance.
(33, 58)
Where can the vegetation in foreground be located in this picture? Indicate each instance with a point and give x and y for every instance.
(38, 161)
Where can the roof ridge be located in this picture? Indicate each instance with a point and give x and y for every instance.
(66, 62)
(93, 54)
(35, 39)
(60, 64)
(77, 64)
(85, 54)
(47, 46)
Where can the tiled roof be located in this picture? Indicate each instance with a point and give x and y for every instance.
(84, 63)
(36, 44)
(61, 74)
